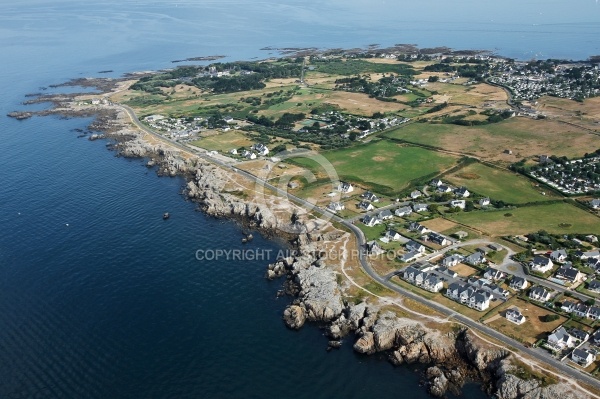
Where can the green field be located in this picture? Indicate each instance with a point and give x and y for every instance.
(384, 166)
(554, 218)
(523, 136)
(224, 142)
(497, 184)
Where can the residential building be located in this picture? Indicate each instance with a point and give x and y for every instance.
(336, 206)
(591, 238)
(445, 270)
(415, 194)
(493, 274)
(594, 286)
(371, 220)
(432, 283)
(569, 273)
(345, 187)
(415, 246)
(451, 260)
(458, 204)
(409, 256)
(476, 258)
(495, 247)
(595, 203)
(580, 335)
(393, 235)
(560, 339)
(369, 196)
(539, 294)
(386, 214)
(462, 192)
(419, 207)
(403, 211)
(541, 264)
(374, 248)
(438, 239)
(583, 357)
(515, 316)
(444, 189)
(365, 206)
(559, 255)
(436, 183)
(484, 202)
(518, 283)
(260, 148)
(414, 226)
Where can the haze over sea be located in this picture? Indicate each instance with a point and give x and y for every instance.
(101, 298)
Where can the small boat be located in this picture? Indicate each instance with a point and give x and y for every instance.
(166, 215)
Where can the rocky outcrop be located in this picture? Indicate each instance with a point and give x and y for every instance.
(294, 316)
(509, 386)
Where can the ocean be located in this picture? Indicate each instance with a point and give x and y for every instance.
(100, 297)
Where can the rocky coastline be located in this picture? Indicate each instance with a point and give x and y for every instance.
(449, 359)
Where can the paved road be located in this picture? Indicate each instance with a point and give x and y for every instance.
(538, 354)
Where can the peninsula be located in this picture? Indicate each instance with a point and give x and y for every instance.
(442, 205)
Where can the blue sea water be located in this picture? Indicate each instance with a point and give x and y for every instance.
(101, 298)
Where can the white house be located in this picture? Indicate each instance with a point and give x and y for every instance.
(583, 357)
(403, 211)
(539, 294)
(386, 214)
(569, 273)
(415, 246)
(336, 206)
(462, 192)
(365, 206)
(369, 196)
(458, 204)
(518, 283)
(595, 203)
(419, 207)
(480, 300)
(484, 202)
(493, 274)
(393, 235)
(432, 283)
(374, 248)
(371, 220)
(438, 239)
(515, 316)
(415, 194)
(559, 255)
(451, 260)
(561, 339)
(476, 258)
(409, 256)
(260, 148)
(345, 187)
(541, 264)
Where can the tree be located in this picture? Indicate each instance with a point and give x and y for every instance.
(549, 317)
(469, 206)
(433, 79)
(352, 136)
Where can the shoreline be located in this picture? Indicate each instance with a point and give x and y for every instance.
(452, 358)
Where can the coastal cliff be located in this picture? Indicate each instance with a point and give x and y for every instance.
(449, 359)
